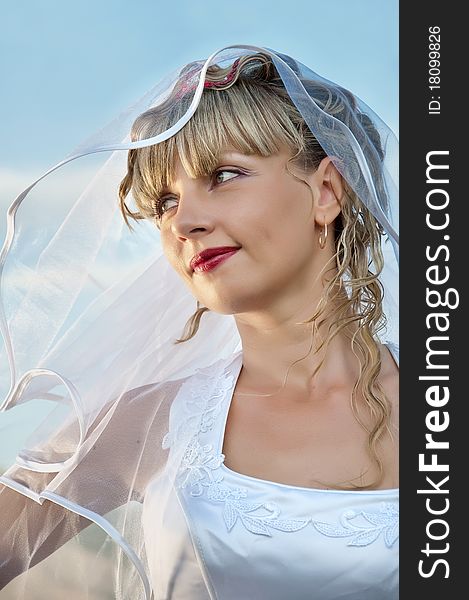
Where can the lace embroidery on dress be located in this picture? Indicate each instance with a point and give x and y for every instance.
(386, 522)
(201, 408)
(199, 471)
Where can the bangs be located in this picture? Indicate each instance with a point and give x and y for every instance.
(236, 117)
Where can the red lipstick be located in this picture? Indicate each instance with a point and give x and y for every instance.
(211, 257)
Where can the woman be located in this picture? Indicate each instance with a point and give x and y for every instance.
(254, 456)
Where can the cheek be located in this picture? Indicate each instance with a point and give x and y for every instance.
(168, 249)
(279, 215)
(170, 253)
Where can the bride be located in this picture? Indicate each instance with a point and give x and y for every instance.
(255, 455)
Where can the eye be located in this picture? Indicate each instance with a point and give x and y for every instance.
(163, 205)
(223, 175)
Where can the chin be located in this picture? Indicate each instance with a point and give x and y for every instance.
(235, 303)
(219, 307)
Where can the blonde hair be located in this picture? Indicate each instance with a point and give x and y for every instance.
(254, 113)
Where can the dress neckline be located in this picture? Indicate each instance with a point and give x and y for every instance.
(233, 369)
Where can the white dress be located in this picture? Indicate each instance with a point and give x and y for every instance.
(230, 536)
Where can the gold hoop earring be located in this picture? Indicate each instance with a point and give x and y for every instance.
(323, 237)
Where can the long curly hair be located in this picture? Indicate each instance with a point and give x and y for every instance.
(249, 108)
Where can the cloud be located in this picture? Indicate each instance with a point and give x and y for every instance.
(48, 202)
(13, 181)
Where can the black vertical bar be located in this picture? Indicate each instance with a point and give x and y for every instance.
(433, 268)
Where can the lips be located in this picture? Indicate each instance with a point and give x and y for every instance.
(203, 260)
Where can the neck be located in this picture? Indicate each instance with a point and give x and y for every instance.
(277, 347)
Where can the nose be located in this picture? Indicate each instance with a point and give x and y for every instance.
(192, 218)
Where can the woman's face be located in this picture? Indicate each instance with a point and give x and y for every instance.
(252, 205)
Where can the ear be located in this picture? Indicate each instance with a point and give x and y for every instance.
(328, 186)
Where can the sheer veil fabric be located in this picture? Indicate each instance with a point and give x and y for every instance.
(89, 315)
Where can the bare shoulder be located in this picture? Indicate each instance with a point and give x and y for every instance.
(389, 379)
(389, 368)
